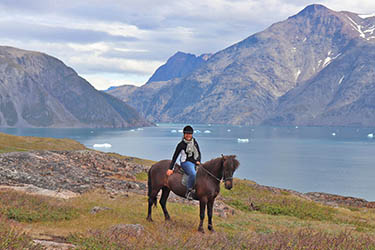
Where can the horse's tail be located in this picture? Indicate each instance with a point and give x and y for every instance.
(149, 185)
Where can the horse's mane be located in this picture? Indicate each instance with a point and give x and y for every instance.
(216, 161)
(212, 162)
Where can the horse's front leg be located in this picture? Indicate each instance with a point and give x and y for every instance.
(202, 208)
(163, 202)
(210, 205)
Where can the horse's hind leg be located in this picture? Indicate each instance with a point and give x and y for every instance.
(151, 201)
(163, 202)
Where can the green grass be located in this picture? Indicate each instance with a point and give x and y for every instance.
(12, 238)
(245, 229)
(133, 159)
(246, 196)
(11, 143)
(26, 208)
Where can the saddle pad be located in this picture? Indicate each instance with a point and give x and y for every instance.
(185, 176)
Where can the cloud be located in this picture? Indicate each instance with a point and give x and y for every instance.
(25, 31)
(133, 38)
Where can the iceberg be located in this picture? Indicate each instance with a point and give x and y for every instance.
(173, 131)
(207, 132)
(240, 140)
(370, 135)
(198, 131)
(180, 130)
(140, 129)
(228, 130)
(104, 145)
(333, 134)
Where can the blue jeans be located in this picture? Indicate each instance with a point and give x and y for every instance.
(189, 168)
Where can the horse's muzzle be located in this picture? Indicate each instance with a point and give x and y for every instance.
(228, 184)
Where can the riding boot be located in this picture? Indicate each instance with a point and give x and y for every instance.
(189, 194)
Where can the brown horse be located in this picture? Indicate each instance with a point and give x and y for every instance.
(207, 184)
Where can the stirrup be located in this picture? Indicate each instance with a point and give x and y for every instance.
(189, 194)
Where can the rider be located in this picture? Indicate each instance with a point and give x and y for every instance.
(190, 156)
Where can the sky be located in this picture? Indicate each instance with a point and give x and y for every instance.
(116, 42)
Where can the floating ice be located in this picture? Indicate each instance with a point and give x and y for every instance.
(297, 74)
(180, 130)
(370, 135)
(140, 129)
(296, 126)
(240, 140)
(341, 79)
(228, 130)
(173, 131)
(333, 134)
(91, 131)
(104, 145)
(198, 131)
(207, 132)
(132, 130)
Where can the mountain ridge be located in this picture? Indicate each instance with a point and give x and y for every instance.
(248, 82)
(37, 90)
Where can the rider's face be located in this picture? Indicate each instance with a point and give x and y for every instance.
(188, 136)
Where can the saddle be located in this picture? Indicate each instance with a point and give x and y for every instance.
(185, 176)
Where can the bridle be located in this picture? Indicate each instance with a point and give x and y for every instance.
(222, 174)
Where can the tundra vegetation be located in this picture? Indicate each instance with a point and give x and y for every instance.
(262, 218)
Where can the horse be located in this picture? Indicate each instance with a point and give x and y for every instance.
(207, 185)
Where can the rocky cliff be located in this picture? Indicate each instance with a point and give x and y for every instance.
(315, 68)
(37, 90)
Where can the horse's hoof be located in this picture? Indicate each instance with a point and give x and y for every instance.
(201, 230)
(168, 218)
(212, 230)
(149, 219)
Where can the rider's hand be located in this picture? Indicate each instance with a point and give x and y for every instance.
(169, 172)
(198, 163)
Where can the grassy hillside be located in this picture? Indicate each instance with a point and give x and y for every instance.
(280, 221)
(10, 143)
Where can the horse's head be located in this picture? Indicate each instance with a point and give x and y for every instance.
(230, 164)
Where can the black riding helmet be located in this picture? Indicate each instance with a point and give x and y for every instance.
(188, 130)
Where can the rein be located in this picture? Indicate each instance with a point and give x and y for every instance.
(213, 176)
(209, 173)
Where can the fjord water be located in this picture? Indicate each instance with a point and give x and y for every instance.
(306, 159)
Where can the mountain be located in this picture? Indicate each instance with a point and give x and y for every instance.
(315, 68)
(179, 65)
(37, 90)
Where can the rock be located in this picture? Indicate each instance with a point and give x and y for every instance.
(335, 200)
(96, 209)
(129, 229)
(31, 189)
(222, 210)
(49, 245)
(66, 174)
